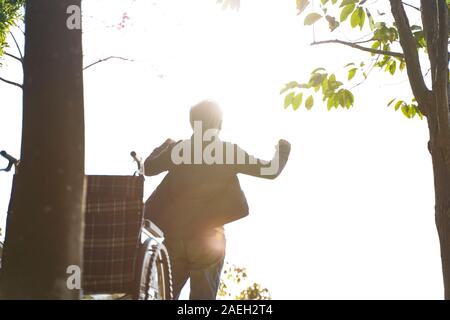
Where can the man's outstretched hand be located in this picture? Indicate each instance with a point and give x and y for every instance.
(284, 146)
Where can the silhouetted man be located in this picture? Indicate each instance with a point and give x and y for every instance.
(200, 194)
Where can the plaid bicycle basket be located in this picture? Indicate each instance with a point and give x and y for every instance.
(113, 220)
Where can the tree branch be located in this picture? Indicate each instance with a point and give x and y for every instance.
(356, 46)
(23, 32)
(17, 45)
(435, 26)
(11, 83)
(13, 56)
(106, 59)
(430, 30)
(436, 35)
(411, 6)
(408, 43)
(371, 67)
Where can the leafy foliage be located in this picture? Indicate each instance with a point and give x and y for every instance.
(410, 110)
(356, 14)
(234, 280)
(10, 12)
(332, 91)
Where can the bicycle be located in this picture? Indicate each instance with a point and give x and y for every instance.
(123, 252)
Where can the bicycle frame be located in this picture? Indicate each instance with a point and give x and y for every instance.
(150, 229)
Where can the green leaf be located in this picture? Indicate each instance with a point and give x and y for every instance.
(10, 14)
(332, 83)
(297, 101)
(336, 101)
(402, 65)
(412, 111)
(346, 12)
(350, 98)
(312, 18)
(332, 78)
(347, 2)
(392, 67)
(340, 98)
(355, 18)
(390, 102)
(398, 104)
(345, 98)
(362, 18)
(420, 38)
(288, 99)
(324, 85)
(301, 5)
(406, 111)
(309, 102)
(330, 102)
(351, 73)
(349, 64)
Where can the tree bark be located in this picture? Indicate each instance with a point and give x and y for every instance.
(434, 104)
(44, 227)
(442, 212)
(435, 22)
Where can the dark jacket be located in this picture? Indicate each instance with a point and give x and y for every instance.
(194, 198)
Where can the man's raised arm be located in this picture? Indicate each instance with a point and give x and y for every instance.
(261, 168)
(159, 160)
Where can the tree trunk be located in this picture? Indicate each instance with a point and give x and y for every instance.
(435, 26)
(442, 212)
(44, 228)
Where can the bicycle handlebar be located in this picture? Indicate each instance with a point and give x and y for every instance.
(11, 161)
(14, 162)
(139, 163)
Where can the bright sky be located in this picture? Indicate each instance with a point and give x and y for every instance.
(352, 215)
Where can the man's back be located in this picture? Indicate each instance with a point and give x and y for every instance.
(193, 198)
